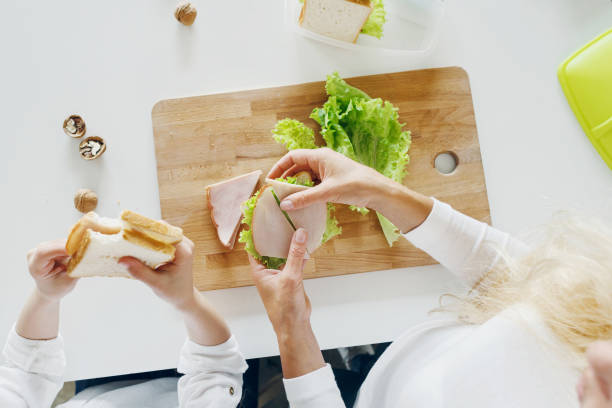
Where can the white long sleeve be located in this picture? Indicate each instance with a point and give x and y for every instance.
(315, 389)
(466, 247)
(32, 373)
(213, 375)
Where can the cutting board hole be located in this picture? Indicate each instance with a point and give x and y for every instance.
(446, 162)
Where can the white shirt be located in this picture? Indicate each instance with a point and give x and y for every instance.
(512, 360)
(33, 374)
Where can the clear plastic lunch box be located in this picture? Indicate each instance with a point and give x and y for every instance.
(411, 29)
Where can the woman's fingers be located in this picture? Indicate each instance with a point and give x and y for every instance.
(297, 252)
(317, 194)
(304, 159)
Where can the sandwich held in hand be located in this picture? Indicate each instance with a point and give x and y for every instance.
(224, 201)
(270, 229)
(95, 244)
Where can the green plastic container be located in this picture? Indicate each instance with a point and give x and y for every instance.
(586, 79)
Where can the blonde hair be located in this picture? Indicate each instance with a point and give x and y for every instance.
(567, 278)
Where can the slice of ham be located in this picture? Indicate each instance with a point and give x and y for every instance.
(224, 201)
(272, 232)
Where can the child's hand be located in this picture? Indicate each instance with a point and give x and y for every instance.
(172, 282)
(47, 265)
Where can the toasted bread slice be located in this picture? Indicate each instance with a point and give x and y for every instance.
(156, 230)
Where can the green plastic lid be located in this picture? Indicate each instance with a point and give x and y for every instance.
(586, 79)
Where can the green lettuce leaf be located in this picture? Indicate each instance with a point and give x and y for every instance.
(333, 227)
(374, 24)
(294, 180)
(391, 232)
(366, 130)
(294, 135)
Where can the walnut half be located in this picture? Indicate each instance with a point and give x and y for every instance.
(74, 126)
(92, 147)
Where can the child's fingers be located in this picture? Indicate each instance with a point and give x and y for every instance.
(45, 252)
(140, 271)
(184, 252)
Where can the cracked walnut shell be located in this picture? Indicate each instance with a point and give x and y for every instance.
(92, 147)
(74, 126)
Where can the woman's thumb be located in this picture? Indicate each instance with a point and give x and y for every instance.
(297, 252)
(304, 198)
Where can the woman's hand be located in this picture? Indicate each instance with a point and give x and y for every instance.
(288, 307)
(282, 292)
(172, 282)
(342, 180)
(47, 265)
(348, 182)
(595, 386)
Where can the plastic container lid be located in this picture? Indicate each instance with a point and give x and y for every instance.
(586, 79)
(411, 28)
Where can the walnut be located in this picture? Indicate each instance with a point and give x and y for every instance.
(85, 200)
(92, 147)
(74, 126)
(185, 13)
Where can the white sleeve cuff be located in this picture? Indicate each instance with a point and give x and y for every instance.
(315, 389)
(44, 357)
(435, 225)
(224, 357)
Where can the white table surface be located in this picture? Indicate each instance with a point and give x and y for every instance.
(111, 61)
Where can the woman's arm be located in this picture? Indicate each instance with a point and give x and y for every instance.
(465, 246)
(309, 382)
(34, 355)
(210, 359)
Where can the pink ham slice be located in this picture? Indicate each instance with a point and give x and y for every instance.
(272, 232)
(224, 201)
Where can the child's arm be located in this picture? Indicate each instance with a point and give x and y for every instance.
(210, 358)
(34, 357)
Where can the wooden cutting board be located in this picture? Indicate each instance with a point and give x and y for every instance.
(206, 139)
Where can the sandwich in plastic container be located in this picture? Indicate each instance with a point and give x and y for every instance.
(411, 26)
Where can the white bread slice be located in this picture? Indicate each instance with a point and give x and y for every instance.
(95, 244)
(339, 19)
(100, 253)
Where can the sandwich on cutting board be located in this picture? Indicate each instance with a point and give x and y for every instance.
(339, 19)
(224, 201)
(95, 244)
(273, 228)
